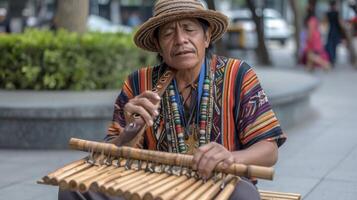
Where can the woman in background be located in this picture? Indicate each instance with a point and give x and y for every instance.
(314, 54)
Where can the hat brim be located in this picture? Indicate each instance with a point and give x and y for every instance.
(144, 37)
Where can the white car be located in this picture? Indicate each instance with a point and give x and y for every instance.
(241, 30)
(100, 24)
(275, 27)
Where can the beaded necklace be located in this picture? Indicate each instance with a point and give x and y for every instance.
(203, 115)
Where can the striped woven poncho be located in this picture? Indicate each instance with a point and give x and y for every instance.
(242, 114)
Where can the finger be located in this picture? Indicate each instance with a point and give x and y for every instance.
(209, 161)
(216, 154)
(228, 162)
(154, 97)
(131, 108)
(148, 105)
(198, 155)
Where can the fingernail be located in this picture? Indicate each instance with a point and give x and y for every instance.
(156, 113)
(157, 97)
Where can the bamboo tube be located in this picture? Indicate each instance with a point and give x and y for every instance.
(93, 172)
(128, 174)
(279, 195)
(212, 191)
(47, 179)
(139, 195)
(58, 178)
(128, 194)
(228, 189)
(136, 125)
(199, 191)
(173, 192)
(189, 190)
(122, 190)
(113, 190)
(64, 183)
(116, 173)
(110, 175)
(168, 158)
(85, 185)
(154, 193)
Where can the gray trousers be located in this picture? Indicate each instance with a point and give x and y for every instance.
(245, 190)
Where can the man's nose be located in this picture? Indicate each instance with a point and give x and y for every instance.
(180, 36)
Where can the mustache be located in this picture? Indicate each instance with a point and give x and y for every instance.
(181, 50)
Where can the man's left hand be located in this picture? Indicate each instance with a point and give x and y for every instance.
(206, 158)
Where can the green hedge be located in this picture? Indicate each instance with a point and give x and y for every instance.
(45, 60)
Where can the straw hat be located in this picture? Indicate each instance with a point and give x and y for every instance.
(171, 10)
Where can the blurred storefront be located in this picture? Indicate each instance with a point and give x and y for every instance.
(39, 13)
(127, 12)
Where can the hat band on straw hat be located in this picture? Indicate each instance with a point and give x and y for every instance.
(168, 10)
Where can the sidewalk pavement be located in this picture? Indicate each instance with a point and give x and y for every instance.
(318, 160)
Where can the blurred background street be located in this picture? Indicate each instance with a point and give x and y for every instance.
(317, 107)
(317, 161)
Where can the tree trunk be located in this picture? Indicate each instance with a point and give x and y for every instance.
(262, 52)
(72, 15)
(312, 3)
(211, 5)
(297, 25)
(220, 47)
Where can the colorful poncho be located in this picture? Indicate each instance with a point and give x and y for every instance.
(241, 114)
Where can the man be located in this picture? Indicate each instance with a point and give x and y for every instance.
(214, 108)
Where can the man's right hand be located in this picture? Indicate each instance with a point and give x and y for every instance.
(146, 105)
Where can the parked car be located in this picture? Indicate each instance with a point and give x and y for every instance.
(100, 24)
(241, 30)
(276, 28)
(242, 24)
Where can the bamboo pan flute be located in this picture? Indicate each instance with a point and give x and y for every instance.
(111, 175)
(173, 159)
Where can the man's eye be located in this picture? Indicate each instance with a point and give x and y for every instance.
(190, 29)
(167, 33)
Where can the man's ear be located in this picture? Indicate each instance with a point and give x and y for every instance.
(208, 37)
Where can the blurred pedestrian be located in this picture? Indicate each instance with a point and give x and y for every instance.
(335, 32)
(4, 21)
(353, 21)
(313, 54)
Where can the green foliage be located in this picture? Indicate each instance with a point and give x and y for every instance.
(45, 60)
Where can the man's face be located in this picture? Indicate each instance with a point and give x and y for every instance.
(182, 43)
